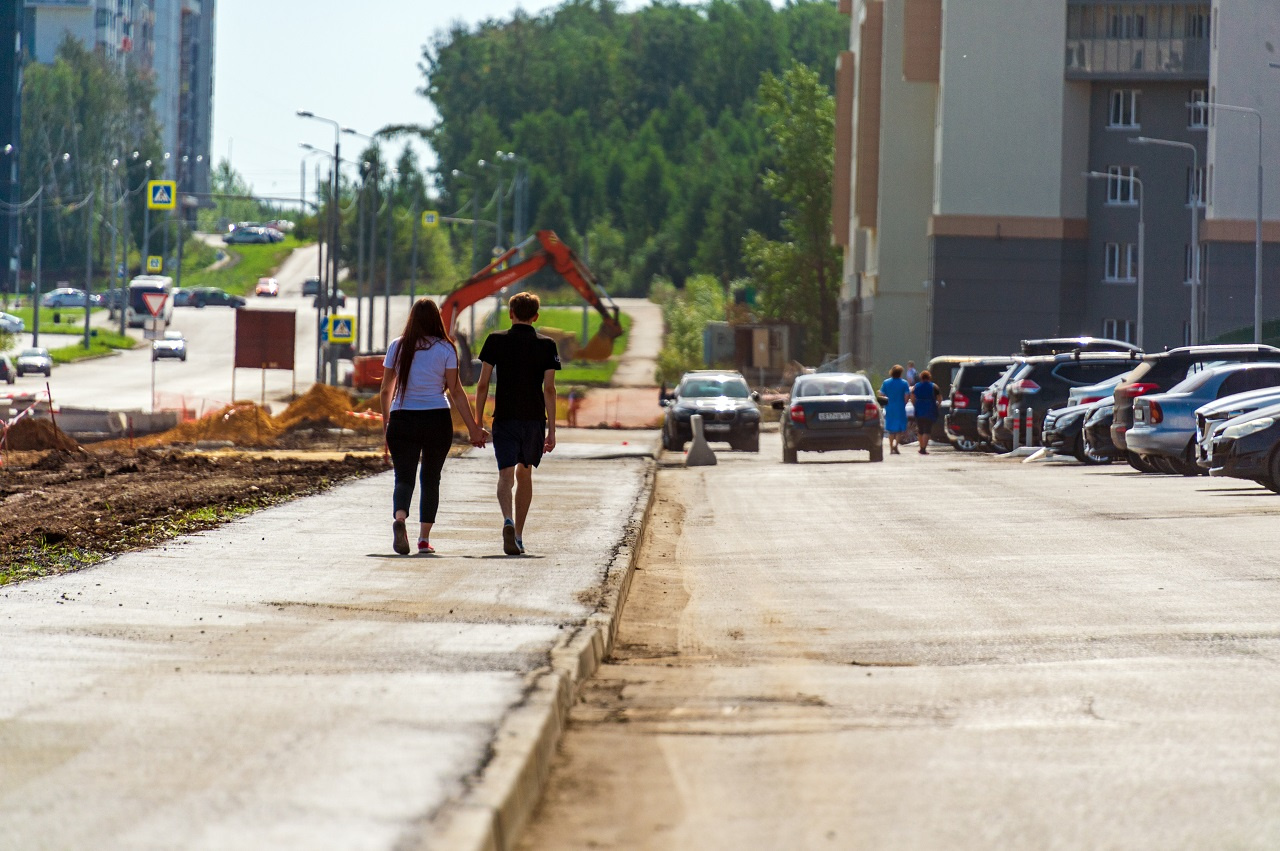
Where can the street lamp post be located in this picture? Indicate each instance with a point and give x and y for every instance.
(520, 186)
(1196, 307)
(330, 291)
(1257, 233)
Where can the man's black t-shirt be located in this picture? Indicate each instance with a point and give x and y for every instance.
(520, 357)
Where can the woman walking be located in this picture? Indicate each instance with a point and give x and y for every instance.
(419, 377)
(925, 396)
(895, 391)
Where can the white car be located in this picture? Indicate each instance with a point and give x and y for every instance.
(11, 324)
(174, 345)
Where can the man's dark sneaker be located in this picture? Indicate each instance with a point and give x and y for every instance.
(509, 545)
(520, 544)
(400, 538)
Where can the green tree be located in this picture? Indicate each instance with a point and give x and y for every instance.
(686, 314)
(798, 277)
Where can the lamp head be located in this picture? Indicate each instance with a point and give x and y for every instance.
(302, 113)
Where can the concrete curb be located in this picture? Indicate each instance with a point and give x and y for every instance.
(495, 810)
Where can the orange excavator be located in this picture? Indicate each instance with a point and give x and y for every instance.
(512, 266)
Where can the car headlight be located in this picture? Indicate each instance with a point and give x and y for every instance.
(1236, 432)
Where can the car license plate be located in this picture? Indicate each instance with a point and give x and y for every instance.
(717, 426)
(835, 415)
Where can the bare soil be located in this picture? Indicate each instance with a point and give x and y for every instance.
(63, 509)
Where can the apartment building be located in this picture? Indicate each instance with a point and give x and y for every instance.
(173, 40)
(965, 133)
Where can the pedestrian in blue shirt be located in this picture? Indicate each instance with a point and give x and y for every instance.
(925, 395)
(894, 391)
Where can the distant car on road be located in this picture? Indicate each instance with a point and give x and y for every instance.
(726, 403)
(212, 296)
(173, 345)
(11, 324)
(831, 411)
(338, 299)
(181, 297)
(267, 287)
(311, 286)
(248, 236)
(68, 297)
(34, 360)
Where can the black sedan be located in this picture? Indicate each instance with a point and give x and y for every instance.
(214, 297)
(1097, 430)
(1063, 434)
(831, 411)
(1248, 447)
(725, 403)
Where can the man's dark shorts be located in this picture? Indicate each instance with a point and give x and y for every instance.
(518, 442)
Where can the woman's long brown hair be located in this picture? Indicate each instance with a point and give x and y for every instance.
(424, 329)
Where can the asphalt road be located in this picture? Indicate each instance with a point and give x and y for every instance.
(943, 652)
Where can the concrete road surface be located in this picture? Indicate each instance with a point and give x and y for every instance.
(285, 681)
(637, 365)
(943, 652)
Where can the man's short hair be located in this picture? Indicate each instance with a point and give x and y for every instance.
(524, 306)
(896, 372)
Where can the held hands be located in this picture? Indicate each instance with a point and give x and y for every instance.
(479, 437)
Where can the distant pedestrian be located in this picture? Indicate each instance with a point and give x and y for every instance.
(524, 411)
(911, 373)
(575, 404)
(895, 391)
(925, 395)
(419, 377)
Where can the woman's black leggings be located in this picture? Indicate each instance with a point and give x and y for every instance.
(413, 437)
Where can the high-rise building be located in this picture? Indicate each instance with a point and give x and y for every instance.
(965, 133)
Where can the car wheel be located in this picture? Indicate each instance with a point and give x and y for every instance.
(48, 373)
(1084, 455)
(1137, 462)
(1186, 465)
(749, 444)
(877, 453)
(964, 444)
(1163, 464)
(789, 456)
(1274, 482)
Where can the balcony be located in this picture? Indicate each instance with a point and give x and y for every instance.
(1138, 58)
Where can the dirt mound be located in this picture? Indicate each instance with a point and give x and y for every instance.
(244, 424)
(321, 407)
(31, 434)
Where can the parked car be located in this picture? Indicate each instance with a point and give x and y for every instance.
(267, 287)
(1097, 431)
(994, 407)
(69, 297)
(1248, 447)
(311, 286)
(1214, 414)
(337, 300)
(1161, 370)
(967, 387)
(1062, 345)
(247, 236)
(172, 345)
(1042, 383)
(11, 324)
(1062, 433)
(726, 403)
(33, 360)
(943, 370)
(212, 296)
(831, 411)
(8, 372)
(1164, 424)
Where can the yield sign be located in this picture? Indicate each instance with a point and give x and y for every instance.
(155, 302)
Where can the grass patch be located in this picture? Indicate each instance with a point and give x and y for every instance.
(101, 342)
(249, 263)
(588, 373)
(72, 319)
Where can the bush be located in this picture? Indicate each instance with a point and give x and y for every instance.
(686, 314)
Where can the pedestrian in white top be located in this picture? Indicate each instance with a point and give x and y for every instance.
(419, 377)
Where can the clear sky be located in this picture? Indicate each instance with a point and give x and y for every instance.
(353, 62)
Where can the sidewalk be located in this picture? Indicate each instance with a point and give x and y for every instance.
(285, 681)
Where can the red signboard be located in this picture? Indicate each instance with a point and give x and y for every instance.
(265, 339)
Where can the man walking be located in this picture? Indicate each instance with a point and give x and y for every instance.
(524, 410)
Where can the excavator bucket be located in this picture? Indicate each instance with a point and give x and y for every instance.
(600, 346)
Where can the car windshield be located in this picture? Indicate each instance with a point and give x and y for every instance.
(32, 353)
(857, 386)
(734, 388)
(173, 335)
(1191, 383)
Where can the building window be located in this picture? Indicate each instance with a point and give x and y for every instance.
(1124, 108)
(1120, 185)
(1126, 25)
(1197, 116)
(1197, 24)
(1196, 193)
(1187, 263)
(1121, 262)
(1124, 330)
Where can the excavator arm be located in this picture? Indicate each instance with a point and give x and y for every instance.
(550, 251)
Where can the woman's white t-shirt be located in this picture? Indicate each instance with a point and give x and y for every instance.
(426, 387)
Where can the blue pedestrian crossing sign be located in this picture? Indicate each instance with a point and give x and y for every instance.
(341, 329)
(430, 219)
(162, 195)
(155, 263)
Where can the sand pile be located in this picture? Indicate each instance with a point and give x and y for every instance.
(244, 424)
(29, 434)
(323, 407)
